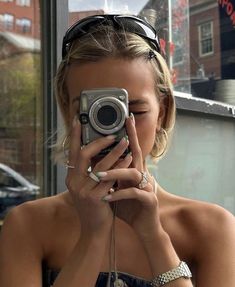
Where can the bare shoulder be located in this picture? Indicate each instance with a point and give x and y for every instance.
(35, 210)
(208, 219)
(28, 232)
(209, 227)
(33, 219)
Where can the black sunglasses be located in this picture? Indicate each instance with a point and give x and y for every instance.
(127, 23)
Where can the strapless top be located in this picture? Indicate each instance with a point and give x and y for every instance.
(124, 279)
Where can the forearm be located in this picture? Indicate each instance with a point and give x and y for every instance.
(163, 257)
(83, 266)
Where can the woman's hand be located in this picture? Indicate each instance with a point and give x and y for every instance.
(138, 207)
(94, 214)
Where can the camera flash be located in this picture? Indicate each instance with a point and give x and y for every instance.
(83, 104)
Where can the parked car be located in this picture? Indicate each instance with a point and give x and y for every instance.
(14, 189)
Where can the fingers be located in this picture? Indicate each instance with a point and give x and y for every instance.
(81, 158)
(75, 143)
(144, 196)
(113, 156)
(131, 176)
(134, 143)
(91, 180)
(91, 150)
(123, 174)
(123, 163)
(103, 186)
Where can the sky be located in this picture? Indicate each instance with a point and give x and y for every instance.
(110, 6)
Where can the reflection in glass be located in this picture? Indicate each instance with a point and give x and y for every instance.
(198, 39)
(170, 18)
(20, 109)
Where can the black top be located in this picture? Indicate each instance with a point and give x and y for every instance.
(125, 279)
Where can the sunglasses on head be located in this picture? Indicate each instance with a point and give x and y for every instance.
(125, 23)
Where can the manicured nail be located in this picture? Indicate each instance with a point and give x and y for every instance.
(132, 117)
(101, 174)
(111, 137)
(129, 154)
(126, 138)
(106, 197)
(124, 141)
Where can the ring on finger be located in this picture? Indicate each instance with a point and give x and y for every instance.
(144, 180)
(112, 190)
(94, 177)
(67, 165)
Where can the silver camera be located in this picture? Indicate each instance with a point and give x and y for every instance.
(103, 112)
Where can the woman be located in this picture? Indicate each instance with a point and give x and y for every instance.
(114, 217)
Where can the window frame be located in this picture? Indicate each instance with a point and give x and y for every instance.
(5, 23)
(24, 3)
(200, 40)
(22, 27)
(54, 22)
(186, 102)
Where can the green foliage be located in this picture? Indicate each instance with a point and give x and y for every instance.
(19, 90)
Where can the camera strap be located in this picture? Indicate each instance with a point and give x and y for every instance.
(112, 247)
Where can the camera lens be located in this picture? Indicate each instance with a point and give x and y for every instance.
(107, 115)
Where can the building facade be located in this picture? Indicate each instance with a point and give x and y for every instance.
(21, 17)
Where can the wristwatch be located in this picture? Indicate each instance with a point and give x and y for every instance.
(181, 271)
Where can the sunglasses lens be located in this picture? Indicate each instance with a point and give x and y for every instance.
(83, 27)
(135, 27)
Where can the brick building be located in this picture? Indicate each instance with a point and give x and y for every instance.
(20, 85)
(21, 17)
(212, 48)
(204, 39)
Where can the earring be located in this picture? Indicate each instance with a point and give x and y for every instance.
(159, 143)
(64, 146)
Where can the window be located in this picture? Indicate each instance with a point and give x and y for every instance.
(7, 21)
(178, 55)
(24, 25)
(206, 39)
(23, 2)
(21, 103)
(197, 38)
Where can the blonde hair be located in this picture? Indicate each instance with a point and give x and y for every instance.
(104, 43)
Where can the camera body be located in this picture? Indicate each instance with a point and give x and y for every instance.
(103, 112)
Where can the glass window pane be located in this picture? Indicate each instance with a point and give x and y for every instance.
(23, 2)
(20, 109)
(197, 164)
(197, 38)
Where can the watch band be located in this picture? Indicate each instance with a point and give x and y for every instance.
(181, 271)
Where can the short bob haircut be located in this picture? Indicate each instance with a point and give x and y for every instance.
(105, 42)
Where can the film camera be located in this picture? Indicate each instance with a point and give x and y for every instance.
(103, 112)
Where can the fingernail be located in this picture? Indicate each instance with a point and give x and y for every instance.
(101, 174)
(126, 138)
(111, 137)
(132, 117)
(129, 154)
(106, 197)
